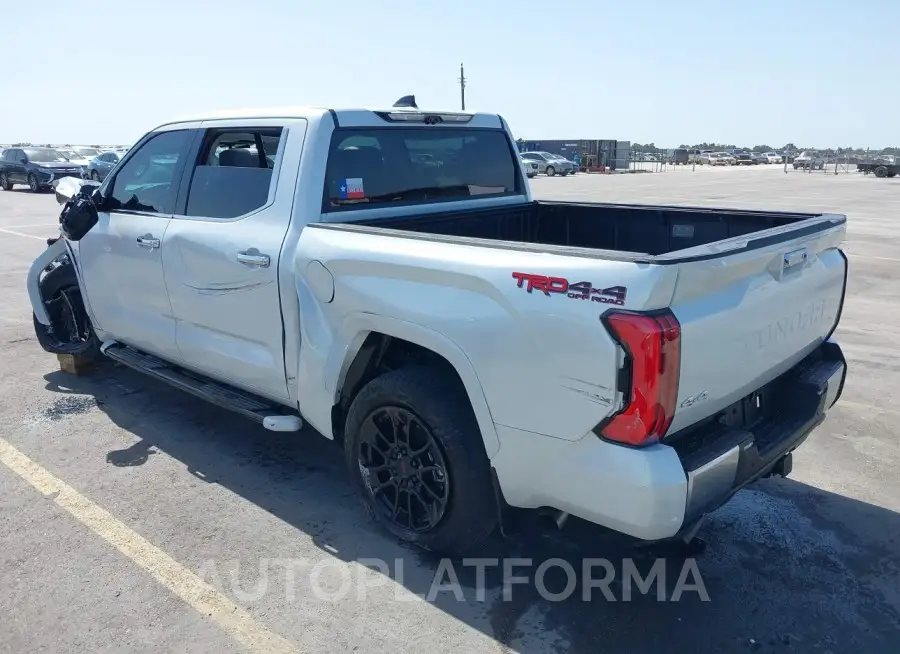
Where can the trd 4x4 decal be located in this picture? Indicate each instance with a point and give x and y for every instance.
(577, 291)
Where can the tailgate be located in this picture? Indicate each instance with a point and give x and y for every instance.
(753, 310)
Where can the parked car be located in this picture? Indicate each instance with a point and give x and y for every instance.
(727, 158)
(809, 160)
(76, 158)
(743, 159)
(353, 313)
(37, 167)
(86, 151)
(773, 158)
(532, 167)
(719, 159)
(759, 158)
(100, 165)
(549, 163)
(567, 164)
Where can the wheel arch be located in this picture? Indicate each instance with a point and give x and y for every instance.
(375, 343)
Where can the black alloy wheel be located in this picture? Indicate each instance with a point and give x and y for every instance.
(403, 469)
(415, 452)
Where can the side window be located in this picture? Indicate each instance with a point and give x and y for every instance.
(149, 179)
(233, 172)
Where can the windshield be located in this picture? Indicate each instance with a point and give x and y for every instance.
(87, 153)
(44, 155)
(410, 164)
(70, 154)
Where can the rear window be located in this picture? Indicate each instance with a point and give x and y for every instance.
(375, 167)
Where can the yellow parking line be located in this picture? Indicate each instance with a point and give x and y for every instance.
(232, 619)
(9, 231)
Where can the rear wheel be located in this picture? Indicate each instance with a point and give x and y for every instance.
(881, 171)
(414, 450)
(5, 184)
(551, 171)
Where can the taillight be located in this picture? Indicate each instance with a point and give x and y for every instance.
(649, 379)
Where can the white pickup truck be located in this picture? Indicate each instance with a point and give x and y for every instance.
(385, 276)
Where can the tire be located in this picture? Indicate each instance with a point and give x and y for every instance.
(438, 404)
(34, 184)
(59, 281)
(550, 171)
(796, 166)
(95, 176)
(881, 171)
(5, 184)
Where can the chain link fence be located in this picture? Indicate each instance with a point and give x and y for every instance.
(836, 161)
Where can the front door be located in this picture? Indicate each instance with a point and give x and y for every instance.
(222, 250)
(121, 257)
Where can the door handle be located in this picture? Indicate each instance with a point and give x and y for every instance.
(147, 241)
(252, 257)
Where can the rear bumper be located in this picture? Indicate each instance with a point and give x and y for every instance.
(654, 492)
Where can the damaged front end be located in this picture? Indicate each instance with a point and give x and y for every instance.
(61, 322)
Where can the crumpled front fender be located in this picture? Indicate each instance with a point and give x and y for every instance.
(33, 282)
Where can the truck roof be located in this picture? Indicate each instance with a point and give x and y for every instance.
(476, 119)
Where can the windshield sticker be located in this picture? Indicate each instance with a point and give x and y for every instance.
(352, 189)
(575, 291)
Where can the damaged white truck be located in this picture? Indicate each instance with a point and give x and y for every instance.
(385, 276)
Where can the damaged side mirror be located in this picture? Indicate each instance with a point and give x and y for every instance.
(78, 216)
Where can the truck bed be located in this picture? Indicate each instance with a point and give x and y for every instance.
(631, 229)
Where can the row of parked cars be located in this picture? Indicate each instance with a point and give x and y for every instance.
(737, 158)
(39, 167)
(547, 163)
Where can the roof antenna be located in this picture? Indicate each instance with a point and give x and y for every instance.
(407, 101)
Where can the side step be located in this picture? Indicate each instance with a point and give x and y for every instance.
(270, 415)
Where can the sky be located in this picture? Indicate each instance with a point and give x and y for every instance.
(746, 72)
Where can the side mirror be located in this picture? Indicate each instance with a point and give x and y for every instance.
(78, 216)
(23, 160)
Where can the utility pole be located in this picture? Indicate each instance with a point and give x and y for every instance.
(462, 87)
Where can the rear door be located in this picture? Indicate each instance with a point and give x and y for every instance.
(222, 250)
(121, 257)
(752, 314)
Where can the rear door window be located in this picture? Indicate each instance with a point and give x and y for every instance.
(233, 174)
(409, 165)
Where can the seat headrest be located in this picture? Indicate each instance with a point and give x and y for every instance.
(239, 157)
